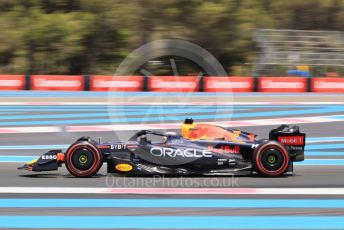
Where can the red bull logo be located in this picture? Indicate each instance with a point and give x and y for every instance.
(225, 149)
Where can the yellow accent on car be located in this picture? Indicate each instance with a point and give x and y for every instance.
(124, 167)
(186, 129)
(31, 162)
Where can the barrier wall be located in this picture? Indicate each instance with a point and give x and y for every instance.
(118, 83)
(57, 82)
(327, 85)
(228, 84)
(12, 82)
(171, 83)
(282, 84)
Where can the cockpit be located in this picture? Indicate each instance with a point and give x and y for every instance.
(193, 131)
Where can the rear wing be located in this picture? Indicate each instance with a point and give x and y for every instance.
(292, 138)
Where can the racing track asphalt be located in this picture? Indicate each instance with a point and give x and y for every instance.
(305, 176)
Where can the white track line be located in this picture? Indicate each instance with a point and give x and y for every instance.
(174, 191)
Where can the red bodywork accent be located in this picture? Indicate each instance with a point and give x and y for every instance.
(61, 157)
(292, 140)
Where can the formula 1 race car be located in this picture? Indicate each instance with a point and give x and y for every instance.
(201, 149)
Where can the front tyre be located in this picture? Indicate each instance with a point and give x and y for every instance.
(271, 159)
(83, 159)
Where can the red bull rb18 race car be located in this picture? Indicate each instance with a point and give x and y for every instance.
(200, 149)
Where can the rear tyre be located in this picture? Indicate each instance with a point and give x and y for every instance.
(271, 159)
(83, 159)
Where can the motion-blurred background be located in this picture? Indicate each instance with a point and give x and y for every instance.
(282, 59)
(248, 37)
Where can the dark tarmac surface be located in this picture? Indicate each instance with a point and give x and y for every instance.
(304, 176)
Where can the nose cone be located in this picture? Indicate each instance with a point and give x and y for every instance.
(24, 167)
(28, 165)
